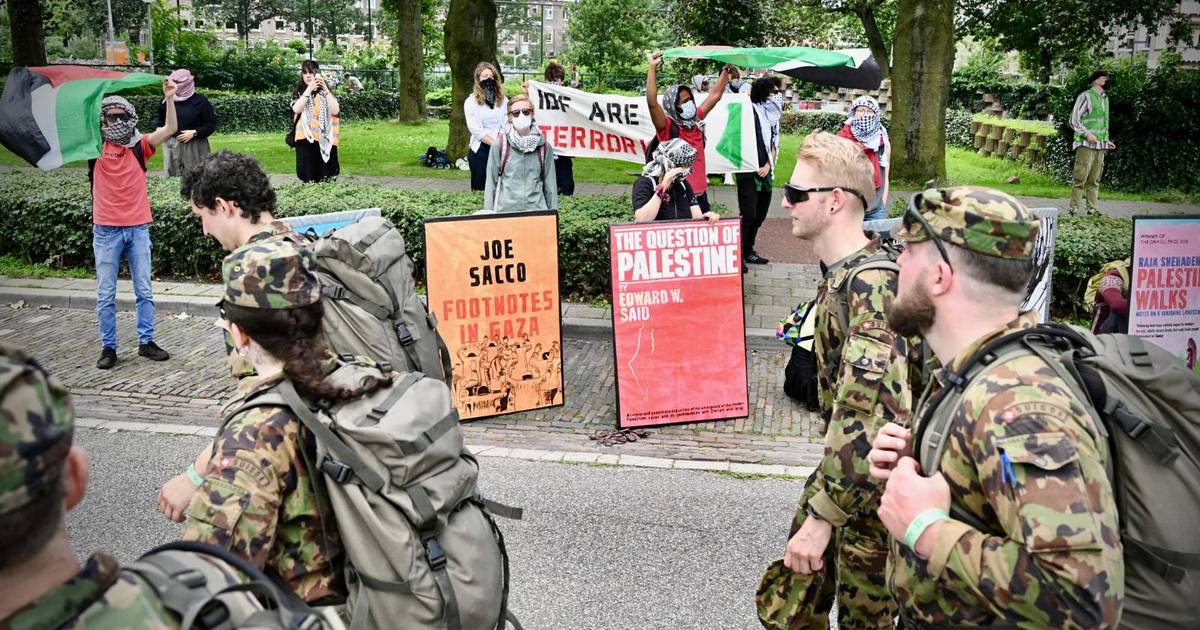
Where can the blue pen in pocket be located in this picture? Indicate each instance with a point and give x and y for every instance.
(1008, 475)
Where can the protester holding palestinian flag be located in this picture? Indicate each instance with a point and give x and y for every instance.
(53, 115)
(679, 116)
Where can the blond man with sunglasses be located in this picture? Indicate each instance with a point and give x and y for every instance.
(866, 377)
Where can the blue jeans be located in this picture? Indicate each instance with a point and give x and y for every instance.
(110, 244)
(878, 212)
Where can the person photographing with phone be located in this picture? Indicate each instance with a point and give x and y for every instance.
(662, 193)
(316, 112)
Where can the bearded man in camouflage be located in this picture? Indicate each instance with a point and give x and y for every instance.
(42, 584)
(866, 376)
(1017, 526)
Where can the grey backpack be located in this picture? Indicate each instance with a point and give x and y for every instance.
(422, 550)
(1147, 403)
(209, 588)
(371, 305)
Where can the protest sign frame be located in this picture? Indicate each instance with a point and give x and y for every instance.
(1134, 267)
(452, 346)
(741, 345)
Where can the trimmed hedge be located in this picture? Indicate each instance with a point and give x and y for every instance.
(46, 218)
(272, 112)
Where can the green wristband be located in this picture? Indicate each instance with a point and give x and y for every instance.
(195, 478)
(921, 523)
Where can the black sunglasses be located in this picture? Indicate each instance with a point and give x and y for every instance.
(913, 214)
(795, 194)
(112, 118)
(520, 112)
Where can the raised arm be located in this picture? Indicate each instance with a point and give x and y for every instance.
(656, 113)
(715, 94)
(168, 129)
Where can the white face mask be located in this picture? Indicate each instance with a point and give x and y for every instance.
(778, 100)
(522, 122)
(687, 111)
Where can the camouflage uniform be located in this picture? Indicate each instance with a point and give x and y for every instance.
(1052, 556)
(36, 427)
(866, 376)
(274, 231)
(258, 496)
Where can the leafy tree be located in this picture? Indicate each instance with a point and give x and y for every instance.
(1049, 32)
(519, 21)
(469, 38)
(796, 23)
(878, 19)
(128, 15)
(922, 63)
(717, 22)
(612, 37)
(244, 14)
(408, 43)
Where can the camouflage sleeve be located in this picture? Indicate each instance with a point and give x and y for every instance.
(238, 505)
(1058, 561)
(872, 389)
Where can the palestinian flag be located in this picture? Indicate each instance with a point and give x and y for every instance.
(50, 115)
(848, 68)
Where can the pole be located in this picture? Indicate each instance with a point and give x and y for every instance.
(150, 32)
(541, 34)
(370, 30)
(310, 30)
(112, 34)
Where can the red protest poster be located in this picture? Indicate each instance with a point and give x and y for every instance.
(493, 285)
(679, 333)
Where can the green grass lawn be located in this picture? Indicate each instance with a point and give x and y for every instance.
(383, 148)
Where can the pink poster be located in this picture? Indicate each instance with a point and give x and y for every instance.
(1164, 300)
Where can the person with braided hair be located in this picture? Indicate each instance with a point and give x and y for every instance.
(258, 496)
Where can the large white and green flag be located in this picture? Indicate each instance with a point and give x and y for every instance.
(585, 124)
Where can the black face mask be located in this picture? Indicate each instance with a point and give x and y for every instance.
(489, 84)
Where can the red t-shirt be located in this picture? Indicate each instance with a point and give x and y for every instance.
(698, 180)
(119, 196)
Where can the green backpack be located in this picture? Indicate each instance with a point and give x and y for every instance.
(209, 588)
(1147, 403)
(422, 549)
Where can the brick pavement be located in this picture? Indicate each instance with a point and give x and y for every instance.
(190, 388)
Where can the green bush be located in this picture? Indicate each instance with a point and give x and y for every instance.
(271, 112)
(46, 219)
(1084, 244)
(958, 129)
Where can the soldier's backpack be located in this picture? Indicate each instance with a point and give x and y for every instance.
(209, 588)
(422, 550)
(1147, 404)
(371, 305)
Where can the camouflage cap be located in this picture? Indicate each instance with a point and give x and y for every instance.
(982, 220)
(270, 274)
(36, 424)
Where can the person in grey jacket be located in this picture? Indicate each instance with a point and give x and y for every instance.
(520, 168)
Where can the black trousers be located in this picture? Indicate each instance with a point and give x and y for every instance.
(753, 205)
(478, 161)
(702, 201)
(309, 165)
(564, 175)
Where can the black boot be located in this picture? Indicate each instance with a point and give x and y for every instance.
(108, 358)
(153, 352)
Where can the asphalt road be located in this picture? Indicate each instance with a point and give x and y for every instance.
(599, 548)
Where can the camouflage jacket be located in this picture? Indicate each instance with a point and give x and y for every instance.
(99, 596)
(258, 499)
(1053, 557)
(276, 230)
(866, 377)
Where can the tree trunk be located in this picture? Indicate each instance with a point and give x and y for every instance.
(25, 24)
(924, 58)
(411, 60)
(469, 37)
(874, 38)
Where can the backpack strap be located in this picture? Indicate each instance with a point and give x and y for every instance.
(882, 259)
(137, 153)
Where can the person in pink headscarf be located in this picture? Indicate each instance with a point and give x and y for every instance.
(189, 145)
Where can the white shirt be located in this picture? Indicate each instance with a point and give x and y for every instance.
(483, 120)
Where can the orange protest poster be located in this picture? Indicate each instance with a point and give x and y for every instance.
(679, 332)
(493, 285)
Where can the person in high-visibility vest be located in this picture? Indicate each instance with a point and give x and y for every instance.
(1089, 119)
